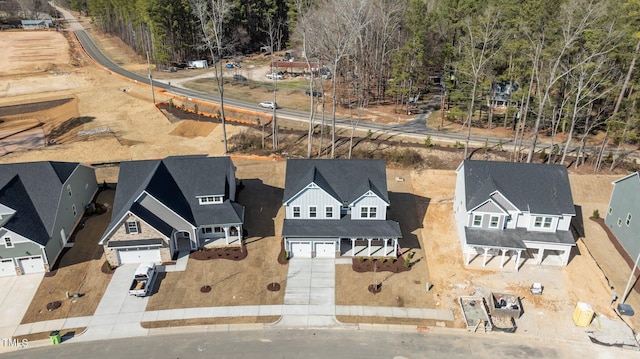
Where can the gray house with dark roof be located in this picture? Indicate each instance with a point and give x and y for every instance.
(177, 204)
(514, 209)
(338, 207)
(623, 214)
(41, 203)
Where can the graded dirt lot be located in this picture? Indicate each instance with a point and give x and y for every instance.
(137, 130)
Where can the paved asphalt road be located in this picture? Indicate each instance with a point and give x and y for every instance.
(312, 344)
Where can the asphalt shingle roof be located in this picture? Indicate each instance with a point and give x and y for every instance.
(342, 228)
(25, 221)
(533, 187)
(515, 238)
(344, 179)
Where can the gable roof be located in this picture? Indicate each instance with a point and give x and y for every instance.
(634, 177)
(25, 221)
(533, 187)
(43, 183)
(345, 180)
(176, 182)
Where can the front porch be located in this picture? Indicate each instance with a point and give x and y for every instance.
(369, 247)
(221, 236)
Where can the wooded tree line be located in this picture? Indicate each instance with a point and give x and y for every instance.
(568, 66)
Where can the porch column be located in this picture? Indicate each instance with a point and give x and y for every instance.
(353, 247)
(395, 247)
(504, 251)
(239, 228)
(369, 247)
(385, 246)
(540, 256)
(226, 234)
(484, 257)
(518, 260)
(565, 256)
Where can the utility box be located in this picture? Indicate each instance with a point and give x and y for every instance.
(583, 314)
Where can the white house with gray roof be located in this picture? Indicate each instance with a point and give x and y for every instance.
(177, 204)
(623, 214)
(338, 207)
(41, 203)
(514, 210)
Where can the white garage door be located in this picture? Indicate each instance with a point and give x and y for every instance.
(301, 249)
(7, 268)
(31, 265)
(326, 250)
(139, 255)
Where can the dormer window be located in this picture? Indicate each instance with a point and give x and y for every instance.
(368, 212)
(210, 199)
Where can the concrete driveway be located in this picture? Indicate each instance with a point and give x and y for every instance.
(15, 297)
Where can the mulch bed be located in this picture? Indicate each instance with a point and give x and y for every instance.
(375, 288)
(231, 253)
(51, 273)
(54, 305)
(106, 269)
(205, 289)
(379, 265)
(273, 287)
(282, 258)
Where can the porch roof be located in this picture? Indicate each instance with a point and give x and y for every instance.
(342, 228)
(515, 238)
(155, 242)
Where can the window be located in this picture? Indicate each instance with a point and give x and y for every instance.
(210, 199)
(73, 209)
(296, 211)
(538, 222)
(206, 230)
(218, 229)
(69, 189)
(7, 242)
(312, 212)
(477, 220)
(132, 227)
(619, 222)
(368, 212)
(373, 212)
(628, 219)
(328, 212)
(494, 222)
(547, 222)
(610, 210)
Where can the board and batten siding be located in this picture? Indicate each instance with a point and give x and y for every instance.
(370, 200)
(313, 197)
(625, 200)
(83, 188)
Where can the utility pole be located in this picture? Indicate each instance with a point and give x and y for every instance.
(153, 93)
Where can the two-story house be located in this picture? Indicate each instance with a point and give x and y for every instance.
(506, 208)
(177, 204)
(41, 203)
(338, 207)
(623, 214)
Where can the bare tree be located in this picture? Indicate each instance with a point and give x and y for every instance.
(272, 30)
(212, 16)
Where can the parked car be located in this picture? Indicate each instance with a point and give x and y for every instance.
(143, 279)
(316, 93)
(268, 104)
(276, 75)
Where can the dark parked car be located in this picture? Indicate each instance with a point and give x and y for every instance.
(316, 93)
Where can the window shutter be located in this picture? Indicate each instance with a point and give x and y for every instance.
(126, 227)
(139, 227)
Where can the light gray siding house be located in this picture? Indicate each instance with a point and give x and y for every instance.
(338, 207)
(514, 209)
(36, 24)
(623, 214)
(41, 203)
(177, 204)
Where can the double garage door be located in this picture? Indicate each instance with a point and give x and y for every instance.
(139, 255)
(308, 249)
(27, 265)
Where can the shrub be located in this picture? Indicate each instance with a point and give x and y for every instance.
(427, 142)
(285, 256)
(596, 214)
(360, 259)
(369, 134)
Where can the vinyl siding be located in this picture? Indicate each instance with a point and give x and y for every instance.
(625, 199)
(369, 201)
(21, 246)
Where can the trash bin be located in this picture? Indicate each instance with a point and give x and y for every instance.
(55, 337)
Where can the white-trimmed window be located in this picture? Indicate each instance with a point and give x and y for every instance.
(218, 230)
(296, 211)
(132, 227)
(538, 222)
(373, 212)
(619, 222)
(73, 209)
(477, 220)
(328, 212)
(495, 220)
(206, 230)
(69, 190)
(313, 211)
(7, 242)
(628, 219)
(610, 210)
(368, 212)
(547, 222)
(210, 199)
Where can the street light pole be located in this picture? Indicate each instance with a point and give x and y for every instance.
(625, 294)
(153, 93)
